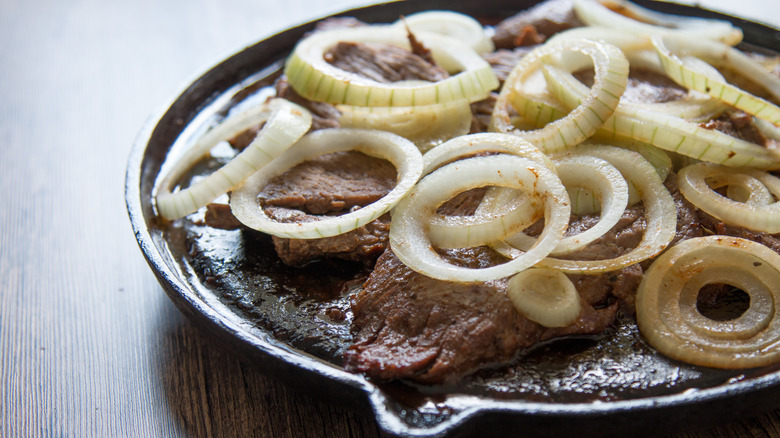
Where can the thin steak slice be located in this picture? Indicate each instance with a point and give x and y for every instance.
(332, 184)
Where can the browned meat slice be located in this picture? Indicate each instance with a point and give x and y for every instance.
(717, 226)
(504, 60)
(409, 326)
(362, 245)
(331, 184)
(218, 215)
(383, 62)
(481, 112)
(338, 23)
(535, 25)
(324, 115)
(740, 125)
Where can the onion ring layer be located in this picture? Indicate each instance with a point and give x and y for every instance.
(408, 238)
(285, 123)
(398, 150)
(760, 212)
(666, 303)
(314, 78)
(611, 75)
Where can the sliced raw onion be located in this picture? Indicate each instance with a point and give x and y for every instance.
(502, 212)
(314, 78)
(611, 74)
(666, 303)
(660, 214)
(518, 211)
(755, 214)
(452, 24)
(400, 152)
(426, 126)
(545, 296)
(668, 50)
(668, 132)
(633, 19)
(628, 43)
(285, 123)
(599, 177)
(408, 230)
(482, 143)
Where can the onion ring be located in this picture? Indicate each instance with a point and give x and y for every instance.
(611, 76)
(666, 303)
(398, 150)
(285, 123)
(408, 239)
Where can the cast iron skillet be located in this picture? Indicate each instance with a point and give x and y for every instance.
(638, 406)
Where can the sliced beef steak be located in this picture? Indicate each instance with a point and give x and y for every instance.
(409, 326)
(383, 62)
(535, 25)
(362, 245)
(331, 184)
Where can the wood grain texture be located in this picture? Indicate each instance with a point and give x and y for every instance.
(89, 343)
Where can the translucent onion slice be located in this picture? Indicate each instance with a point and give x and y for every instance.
(482, 143)
(695, 106)
(660, 214)
(670, 133)
(285, 123)
(314, 78)
(545, 296)
(426, 126)
(408, 238)
(668, 50)
(666, 303)
(402, 153)
(518, 212)
(611, 74)
(755, 215)
(502, 212)
(628, 43)
(633, 19)
(452, 24)
(599, 177)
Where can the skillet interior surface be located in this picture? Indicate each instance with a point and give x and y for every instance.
(295, 322)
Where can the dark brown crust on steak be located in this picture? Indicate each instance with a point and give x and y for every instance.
(535, 25)
(410, 326)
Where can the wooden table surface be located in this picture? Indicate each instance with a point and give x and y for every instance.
(90, 345)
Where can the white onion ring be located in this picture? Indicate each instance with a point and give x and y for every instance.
(646, 124)
(666, 303)
(402, 153)
(452, 24)
(425, 125)
(659, 207)
(502, 212)
(692, 78)
(408, 238)
(756, 214)
(314, 78)
(545, 296)
(611, 74)
(285, 123)
(594, 12)
(600, 177)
